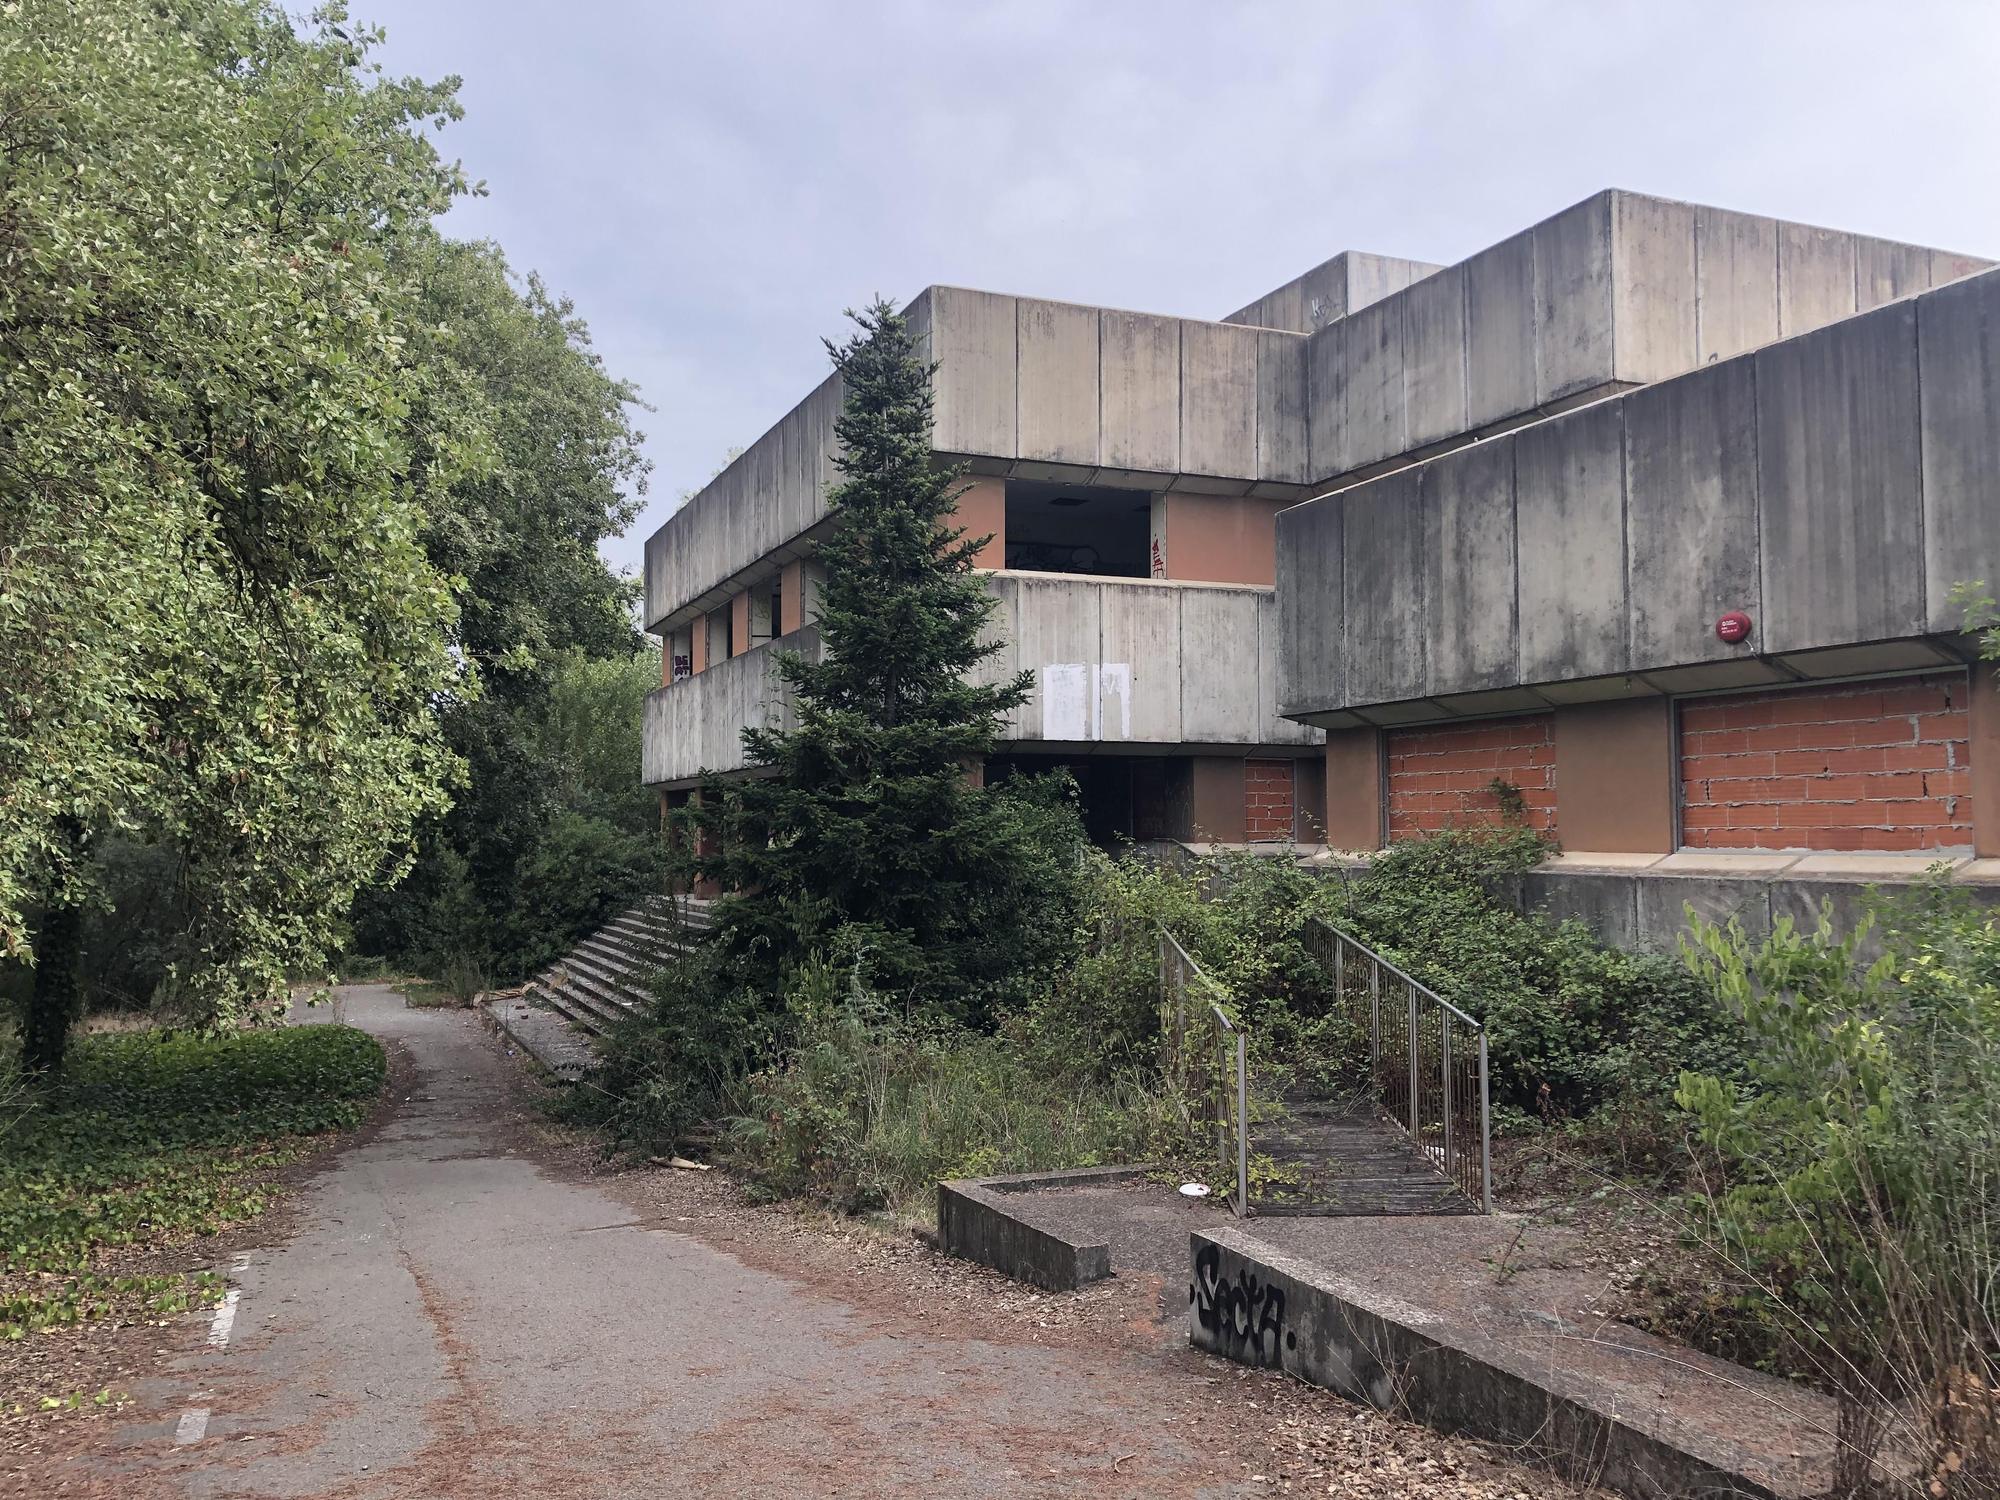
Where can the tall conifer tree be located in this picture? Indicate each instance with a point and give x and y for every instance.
(865, 821)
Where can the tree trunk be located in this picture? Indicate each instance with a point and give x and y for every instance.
(52, 1006)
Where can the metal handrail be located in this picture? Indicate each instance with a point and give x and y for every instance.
(1420, 1063)
(1176, 965)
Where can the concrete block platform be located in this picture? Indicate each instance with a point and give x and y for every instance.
(1431, 1318)
(561, 1051)
(1055, 1230)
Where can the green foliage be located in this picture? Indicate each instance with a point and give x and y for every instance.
(1571, 1023)
(866, 1114)
(1854, 1172)
(220, 627)
(148, 1137)
(665, 1072)
(867, 821)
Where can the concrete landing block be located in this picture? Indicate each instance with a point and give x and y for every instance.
(556, 1047)
(1600, 1403)
(976, 1222)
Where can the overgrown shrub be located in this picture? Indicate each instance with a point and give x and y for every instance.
(865, 1113)
(1853, 1178)
(1570, 1022)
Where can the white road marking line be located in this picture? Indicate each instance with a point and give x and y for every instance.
(225, 1319)
(193, 1426)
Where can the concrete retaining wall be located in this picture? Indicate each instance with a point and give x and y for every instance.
(976, 1222)
(1254, 1304)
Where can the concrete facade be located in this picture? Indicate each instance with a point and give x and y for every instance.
(1388, 497)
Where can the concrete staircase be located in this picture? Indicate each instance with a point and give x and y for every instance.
(603, 979)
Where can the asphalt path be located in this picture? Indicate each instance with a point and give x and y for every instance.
(452, 1318)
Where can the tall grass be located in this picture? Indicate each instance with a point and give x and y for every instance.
(862, 1118)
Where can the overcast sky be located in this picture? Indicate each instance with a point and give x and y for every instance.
(714, 183)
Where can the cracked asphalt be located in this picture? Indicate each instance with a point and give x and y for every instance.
(453, 1318)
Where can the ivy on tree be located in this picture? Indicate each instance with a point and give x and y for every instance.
(866, 831)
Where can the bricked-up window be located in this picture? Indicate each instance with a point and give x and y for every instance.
(1866, 765)
(1443, 776)
(1268, 799)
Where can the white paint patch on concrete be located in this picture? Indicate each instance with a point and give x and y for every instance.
(1114, 681)
(1066, 700)
(224, 1320)
(192, 1427)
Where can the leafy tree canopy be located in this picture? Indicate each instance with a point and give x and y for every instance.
(292, 489)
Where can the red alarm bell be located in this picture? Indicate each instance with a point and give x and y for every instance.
(1733, 627)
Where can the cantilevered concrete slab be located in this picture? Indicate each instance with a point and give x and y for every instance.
(1833, 486)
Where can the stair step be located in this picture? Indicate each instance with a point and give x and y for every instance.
(568, 1006)
(607, 1000)
(614, 986)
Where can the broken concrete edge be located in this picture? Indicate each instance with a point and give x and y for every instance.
(975, 1223)
(547, 1040)
(1252, 1303)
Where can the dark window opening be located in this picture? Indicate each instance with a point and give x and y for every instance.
(1071, 528)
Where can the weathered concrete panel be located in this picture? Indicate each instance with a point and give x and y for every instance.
(1139, 681)
(1605, 901)
(1382, 588)
(1690, 512)
(1141, 358)
(1271, 727)
(1219, 399)
(1838, 476)
(1500, 331)
(1663, 901)
(1736, 257)
(1947, 266)
(1469, 624)
(1311, 662)
(1218, 643)
(1372, 385)
(1058, 627)
(1326, 413)
(1322, 296)
(1959, 354)
(1569, 499)
(1057, 420)
(1573, 298)
(1654, 312)
(1815, 278)
(1370, 278)
(1281, 408)
(973, 340)
(1885, 270)
(1434, 358)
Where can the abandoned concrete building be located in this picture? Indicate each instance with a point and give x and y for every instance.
(1642, 525)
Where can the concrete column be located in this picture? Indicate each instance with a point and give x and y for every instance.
(1984, 702)
(1215, 799)
(1615, 769)
(791, 596)
(705, 843)
(1309, 801)
(1354, 789)
(812, 584)
(677, 655)
(982, 510)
